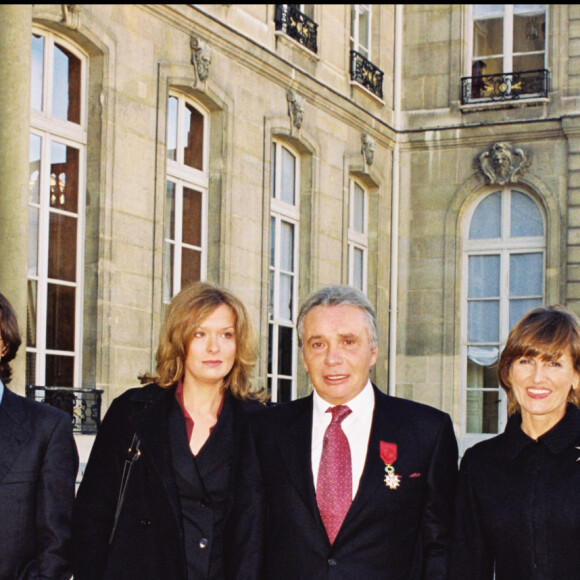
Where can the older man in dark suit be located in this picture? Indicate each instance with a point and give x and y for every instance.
(347, 483)
(38, 467)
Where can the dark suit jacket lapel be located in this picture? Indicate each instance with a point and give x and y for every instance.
(384, 428)
(15, 429)
(294, 442)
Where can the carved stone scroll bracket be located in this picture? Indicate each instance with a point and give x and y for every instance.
(71, 15)
(367, 149)
(503, 163)
(295, 108)
(200, 58)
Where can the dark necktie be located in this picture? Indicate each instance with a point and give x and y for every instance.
(334, 485)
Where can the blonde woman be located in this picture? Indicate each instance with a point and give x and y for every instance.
(158, 488)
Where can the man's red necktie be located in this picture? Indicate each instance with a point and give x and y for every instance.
(334, 485)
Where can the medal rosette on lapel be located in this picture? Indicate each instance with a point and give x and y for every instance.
(389, 456)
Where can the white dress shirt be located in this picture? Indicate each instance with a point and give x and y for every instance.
(356, 427)
(1, 390)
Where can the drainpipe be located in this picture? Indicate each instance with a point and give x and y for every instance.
(393, 298)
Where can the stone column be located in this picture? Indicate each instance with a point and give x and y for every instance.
(15, 32)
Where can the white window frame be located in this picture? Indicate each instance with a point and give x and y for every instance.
(283, 212)
(357, 240)
(355, 44)
(508, 40)
(51, 129)
(504, 247)
(183, 176)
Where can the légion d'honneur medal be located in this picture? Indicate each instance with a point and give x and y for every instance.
(389, 456)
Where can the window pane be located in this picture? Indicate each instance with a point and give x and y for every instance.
(358, 268)
(284, 390)
(37, 72)
(59, 371)
(271, 295)
(31, 312)
(31, 368)
(288, 184)
(193, 136)
(526, 275)
(488, 37)
(529, 33)
(363, 30)
(66, 88)
(486, 221)
(482, 411)
(285, 335)
(487, 10)
(285, 299)
(172, 103)
(170, 211)
(64, 177)
(526, 63)
(168, 271)
(192, 203)
(520, 307)
(483, 321)
(60, 317)
(34, 170)
(270, 343)
(33, 217)
(287, 247)
(526, 219)
(273, 191)
(358, 209)
(272, 241)
(62, 247)
(484, 276)
(190, 266)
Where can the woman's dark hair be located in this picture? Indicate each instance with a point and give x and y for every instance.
(547, 332)
(10, 338)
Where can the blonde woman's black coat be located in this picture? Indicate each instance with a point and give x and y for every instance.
(151, 538)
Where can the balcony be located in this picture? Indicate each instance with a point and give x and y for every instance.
(83, 405)
(366, 74)
(505, 87)
(297, 26)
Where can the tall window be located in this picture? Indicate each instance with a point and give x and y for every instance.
(185, 258)
(504, 254)
(56, 205)
(357, 237)
(508, 38)
(283, 286)
(360, 33)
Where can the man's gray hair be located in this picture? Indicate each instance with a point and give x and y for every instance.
(340, 296)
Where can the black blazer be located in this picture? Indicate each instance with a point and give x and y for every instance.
(150, 540)
(38, 469)
(395, 534)
(518, 508)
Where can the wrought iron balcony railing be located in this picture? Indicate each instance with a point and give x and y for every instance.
(83, 405)
(513, 86)
(366, 73)
(297, 25)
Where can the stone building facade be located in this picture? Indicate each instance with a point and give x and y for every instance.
(427, 154)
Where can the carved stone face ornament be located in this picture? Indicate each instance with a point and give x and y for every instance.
(502, 163)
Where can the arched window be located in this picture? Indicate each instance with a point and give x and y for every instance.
(504, 273)
(56, 208)
(185, 250)
(283, 284)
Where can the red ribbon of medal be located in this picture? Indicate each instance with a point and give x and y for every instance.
(389, 456)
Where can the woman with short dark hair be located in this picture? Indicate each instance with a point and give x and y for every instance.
(517, 508)
(157, 492)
